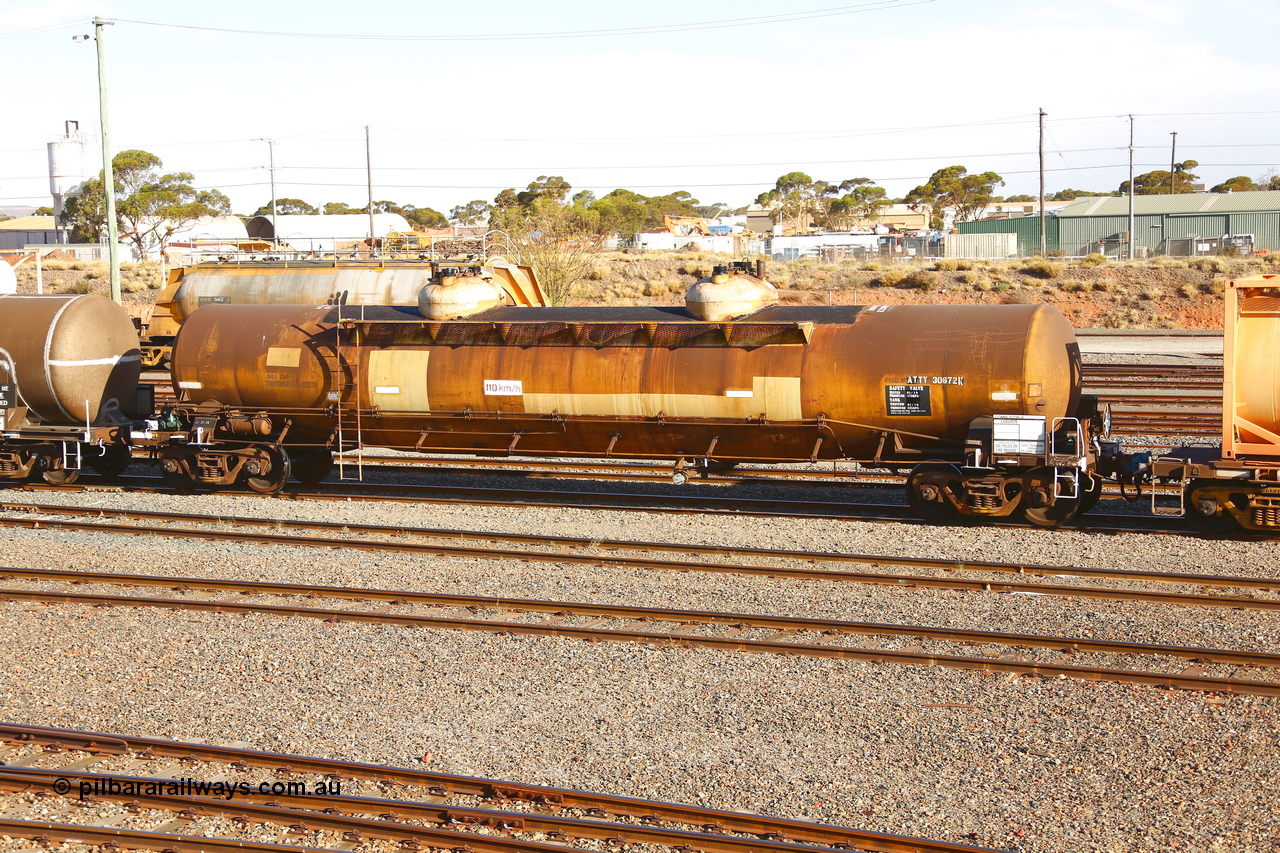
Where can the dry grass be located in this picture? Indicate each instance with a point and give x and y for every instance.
(1042, 268)
(1209, 264)
(921, 279)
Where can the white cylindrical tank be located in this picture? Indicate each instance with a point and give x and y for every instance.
(8, 278)
(66, 162)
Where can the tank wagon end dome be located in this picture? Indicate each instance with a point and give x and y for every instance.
(452, 295)
(73, 358)
(727, 294)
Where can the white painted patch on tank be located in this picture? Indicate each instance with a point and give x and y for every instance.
(95, 362)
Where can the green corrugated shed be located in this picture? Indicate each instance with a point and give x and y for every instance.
(1026, 227)
(1097, 223)
(1159, 218)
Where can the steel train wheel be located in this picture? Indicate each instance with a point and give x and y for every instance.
(271, 480)
(1053, 516)
(174, 472)
(927, 488)
(113, 461)
(1090, 492)
(60, 476)
(310, 465)
(1205, 514)
(1060, 511)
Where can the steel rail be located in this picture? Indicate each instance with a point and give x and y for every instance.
(874, 560)
(561, 557)
(338, 813)
(786, 625)
(112, 838)
(719, 820)
(622, 501)
(791, 624)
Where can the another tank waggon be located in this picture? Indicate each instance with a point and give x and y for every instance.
(69, 368)
(1238, 483)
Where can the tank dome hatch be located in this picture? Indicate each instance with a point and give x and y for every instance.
(459, 292)
(729, 292)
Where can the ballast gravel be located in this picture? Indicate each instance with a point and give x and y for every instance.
(992, 760)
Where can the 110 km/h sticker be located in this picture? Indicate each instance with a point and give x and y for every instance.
(503, 387)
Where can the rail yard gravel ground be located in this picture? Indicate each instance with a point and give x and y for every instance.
(998, 760)
(1003, 761)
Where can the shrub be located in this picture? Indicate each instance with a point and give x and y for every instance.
(891, 277)
(977, 281)
(1093, 259)
(1042, 268)
(1072, 285)
(78, 287)
(1150, 294)
(1103, 285)
(948, 264)
(1215, 286)
(134, 286)
(1168, 262)
(924, 280)
(1188, 291)
(1208, 264)
(870, 266)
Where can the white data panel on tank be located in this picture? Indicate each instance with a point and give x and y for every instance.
(1024, 434)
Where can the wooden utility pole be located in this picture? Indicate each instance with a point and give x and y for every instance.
(1042, 237)
(368, 169)
(1131, 235)
(108, 172)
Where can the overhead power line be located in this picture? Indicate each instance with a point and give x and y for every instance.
(725, 23)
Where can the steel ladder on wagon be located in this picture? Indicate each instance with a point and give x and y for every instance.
(348, 434)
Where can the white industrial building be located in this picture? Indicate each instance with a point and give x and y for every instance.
(320, 233)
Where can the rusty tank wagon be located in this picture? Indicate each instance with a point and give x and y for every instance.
(981, 403)
(69, 368)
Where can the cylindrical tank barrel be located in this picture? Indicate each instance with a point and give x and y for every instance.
(256, 356)
(73, 358)
(922, 372)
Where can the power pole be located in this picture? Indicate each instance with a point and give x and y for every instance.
(1173, 155)
(271, 161)
(368, 172)
(108, 173)
(1131, 235)
(1042, 239)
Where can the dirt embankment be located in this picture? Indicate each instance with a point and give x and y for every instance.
(1163, 293)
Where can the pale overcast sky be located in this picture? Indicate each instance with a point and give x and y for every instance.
(464, 99)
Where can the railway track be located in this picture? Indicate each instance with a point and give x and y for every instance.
(1036, 655)
(412, 808)
(602, 552)
(619, 501)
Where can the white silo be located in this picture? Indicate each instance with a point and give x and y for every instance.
(66, 168)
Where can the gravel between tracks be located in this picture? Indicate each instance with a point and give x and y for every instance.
(1003, 761)
(994, 760)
